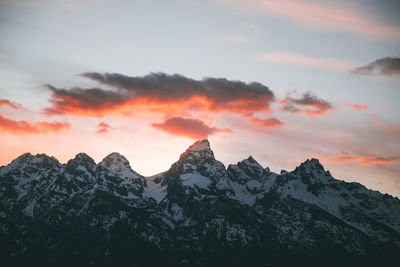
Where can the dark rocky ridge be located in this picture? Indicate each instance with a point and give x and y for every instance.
(197, 213)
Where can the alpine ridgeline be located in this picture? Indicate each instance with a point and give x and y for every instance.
(197, 213)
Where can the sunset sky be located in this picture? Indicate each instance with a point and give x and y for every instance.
(282, 81)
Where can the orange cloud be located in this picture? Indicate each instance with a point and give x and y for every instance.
(308, 104)
(159, 92)
(267, 123)
(357, 106)
(295, 59)
(191, 128)
(24, 127)
(365, 160)
(5, 102)
(318, 16)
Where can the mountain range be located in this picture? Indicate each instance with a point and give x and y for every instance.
(197, 213)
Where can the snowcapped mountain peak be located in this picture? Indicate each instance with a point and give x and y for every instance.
(115, 162)
(251, 162)
(197, 159)
(311, 165)
(38, 159)
(312, 162)
(247, 170)
(251, 168)
(313, 169)
(24, 157)
(83, 157)
(43, 159)
(80, 162)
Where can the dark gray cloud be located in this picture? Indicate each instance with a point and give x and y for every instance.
(160, 89)
(85, 101)
(176, 86)
(385, 66)
(307, 103)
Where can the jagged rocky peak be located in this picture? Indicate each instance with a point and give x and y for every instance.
(198, 149)
(312, 167)
(200, 145)
(246, 170)
(83, 157)
(116, 162)
(198, 159)
(312, 164)
(250, 163)
(198, 154)
(38, 160)
(24, 157)
(80, 161)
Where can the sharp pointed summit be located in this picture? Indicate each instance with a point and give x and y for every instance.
(247, 170)
(312, 166)
(200, 145)
(312, 163)
(198, 156)
(197, 159)
(200, 148)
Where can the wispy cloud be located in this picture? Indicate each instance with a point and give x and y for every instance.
(387, 130)
(300, 60)
(24, 127)
(365, 160)
(192, 128)
(356, 106)
(317, 16)
(103, 128)
(385, 66)
(8, 103)
(267, 123)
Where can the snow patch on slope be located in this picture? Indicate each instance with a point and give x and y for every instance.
(195, 179)
(154, 190)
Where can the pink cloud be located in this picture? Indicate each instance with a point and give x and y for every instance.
(103, 127)
(5, 102)
(364, 160)
(24, 127)
(267, 123)
(357, 106)
(318, 16)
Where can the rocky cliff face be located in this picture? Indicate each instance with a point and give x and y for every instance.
(196, 213)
